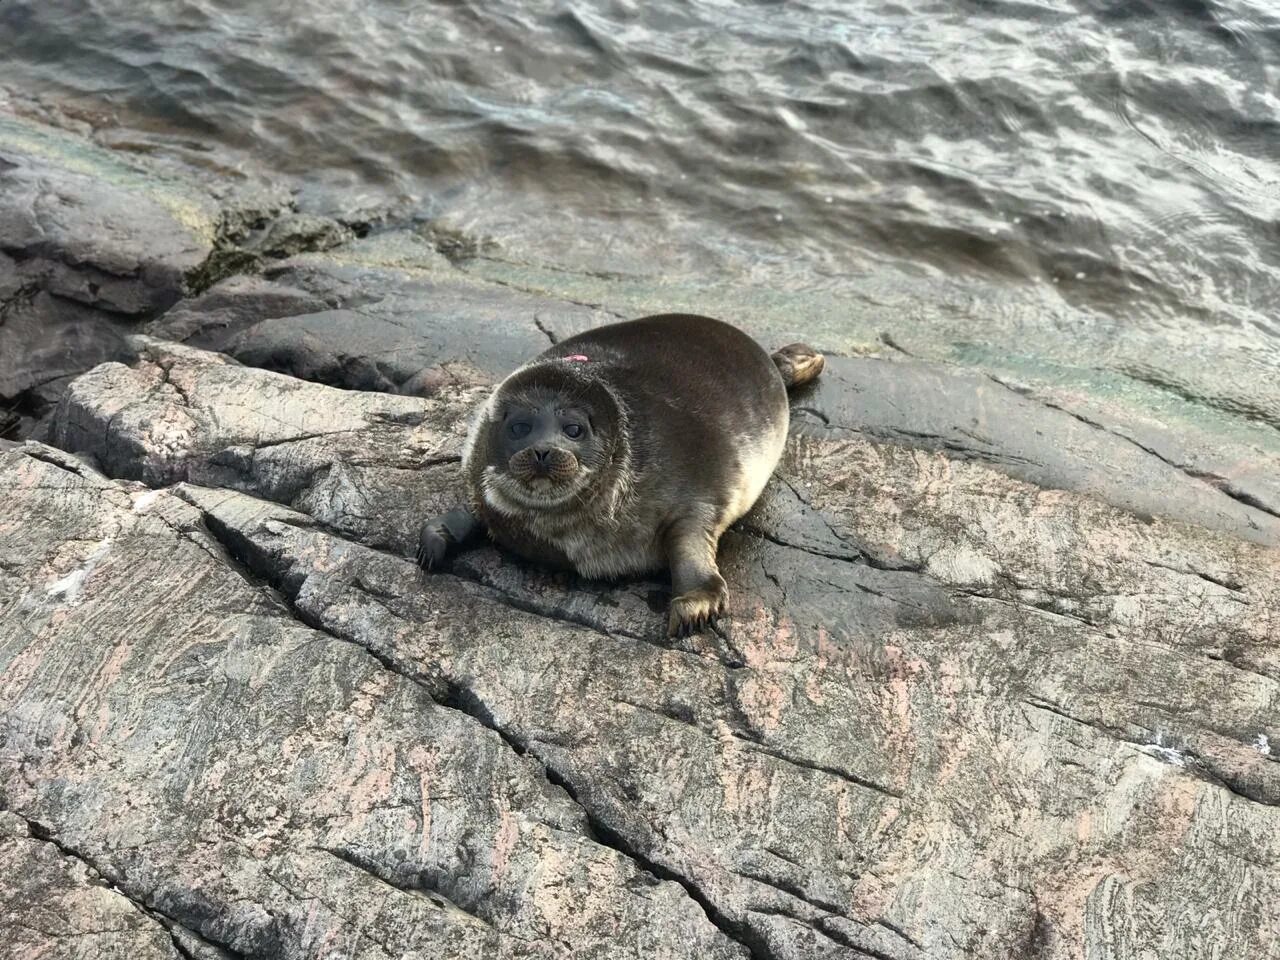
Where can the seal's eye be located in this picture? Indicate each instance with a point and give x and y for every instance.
(519, 429)
(572, 431)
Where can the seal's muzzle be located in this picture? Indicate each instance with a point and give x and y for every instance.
(553, 463)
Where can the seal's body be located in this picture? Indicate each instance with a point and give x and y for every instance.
(629, 448)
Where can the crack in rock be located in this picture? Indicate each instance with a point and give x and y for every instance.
(172, 925)
(421, 888)
(468, 701)
(1217, 482)
(1179, 756)
(465, 700)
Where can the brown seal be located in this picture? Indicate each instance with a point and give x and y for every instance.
(627, 449)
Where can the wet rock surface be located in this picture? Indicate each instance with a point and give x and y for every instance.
(363, 322)
(91, 247)
(77, 265)
(1061, 443)
(1000, 676)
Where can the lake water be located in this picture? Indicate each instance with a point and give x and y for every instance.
(1094, 162)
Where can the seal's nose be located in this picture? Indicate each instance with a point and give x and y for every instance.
(542, 459)
(542, 453)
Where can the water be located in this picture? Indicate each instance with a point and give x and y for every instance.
(1101, 165)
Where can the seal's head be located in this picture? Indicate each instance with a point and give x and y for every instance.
(546, 439)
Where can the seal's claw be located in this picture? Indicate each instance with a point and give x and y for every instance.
(694, 611)
(433, 546)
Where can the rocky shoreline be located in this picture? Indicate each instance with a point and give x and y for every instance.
(1000, 679)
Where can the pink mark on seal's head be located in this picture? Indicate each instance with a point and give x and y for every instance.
(577, 358)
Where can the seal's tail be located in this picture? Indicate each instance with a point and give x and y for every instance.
(799, 364)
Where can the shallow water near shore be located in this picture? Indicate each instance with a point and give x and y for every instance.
(996, 171)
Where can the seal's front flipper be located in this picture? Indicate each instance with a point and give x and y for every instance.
(442, 534)
(700, 591)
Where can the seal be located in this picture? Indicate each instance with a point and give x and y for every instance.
(627, 449)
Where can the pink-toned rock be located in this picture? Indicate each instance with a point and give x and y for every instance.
(55, 907)
(979, 696)
(263, 785)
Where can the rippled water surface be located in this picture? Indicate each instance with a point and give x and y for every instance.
(1124, 156)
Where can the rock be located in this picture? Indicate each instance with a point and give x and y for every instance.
(995, 682)
(973, 416)
(185, 414)
(90, 246)
(270, 788)
(1243, 463)
(53, 905)
(119, 251)
(373, 326)
(46, 340)
(231, 306)
(295, 233)
(77, 263)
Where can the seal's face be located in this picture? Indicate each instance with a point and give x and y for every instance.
(545, 448)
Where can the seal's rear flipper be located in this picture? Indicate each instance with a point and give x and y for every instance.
(799, 364)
